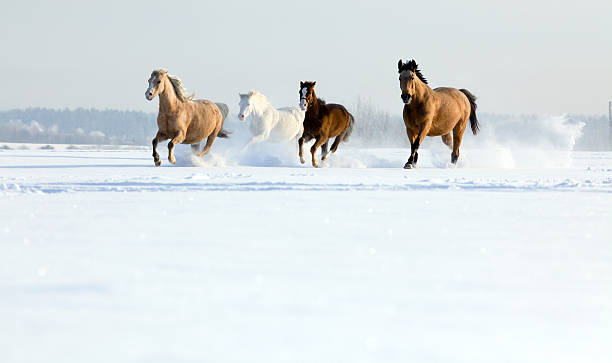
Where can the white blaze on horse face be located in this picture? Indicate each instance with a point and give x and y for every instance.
(303, 103)
(149, 93)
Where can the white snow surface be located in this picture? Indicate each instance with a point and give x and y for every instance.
(247, 256)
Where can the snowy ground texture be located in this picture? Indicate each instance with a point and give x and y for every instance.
(246, 256)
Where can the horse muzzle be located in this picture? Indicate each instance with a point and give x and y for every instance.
(149, 96)
(241, 117)
(406, 98)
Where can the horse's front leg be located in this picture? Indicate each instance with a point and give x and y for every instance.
(313, 150)
(256, 140)
(177, 139)
(415, 142)
(159, 137)
(301, 142)
(414, 156)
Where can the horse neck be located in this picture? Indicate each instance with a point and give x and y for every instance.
(422, 90)
(168, 101)
(261, 108)
(315, 107)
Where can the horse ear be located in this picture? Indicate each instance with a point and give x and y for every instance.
(301, 84)
(412, 65)
(314, 83)
(399, 65)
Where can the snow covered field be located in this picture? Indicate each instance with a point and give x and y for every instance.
(105, 258)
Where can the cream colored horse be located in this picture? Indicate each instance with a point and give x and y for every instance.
(182, 119)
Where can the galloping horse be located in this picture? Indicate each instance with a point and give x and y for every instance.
(267, 122)
(322, 122)
(181, 118)
(434, 112)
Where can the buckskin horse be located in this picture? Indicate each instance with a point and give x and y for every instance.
(322, 121)
(182, 119)
(434, 112)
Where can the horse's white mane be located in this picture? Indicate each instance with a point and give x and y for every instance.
(177, 84)
(256, 96)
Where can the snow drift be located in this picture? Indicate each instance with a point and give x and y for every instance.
(503, 142)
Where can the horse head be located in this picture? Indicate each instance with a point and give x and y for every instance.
(307, 94)
(156, 84)
(409, 73)
(246, 105)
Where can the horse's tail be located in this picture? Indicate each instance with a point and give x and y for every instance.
(224, 134)
(349, 129)
(473, 119)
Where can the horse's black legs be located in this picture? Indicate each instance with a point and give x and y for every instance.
(324, 151)
(414, 147)
(454, 158)
(155, 141)
(457, 136)
(414, 155)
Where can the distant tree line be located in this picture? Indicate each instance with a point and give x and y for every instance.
(79, 126)
(373, 127)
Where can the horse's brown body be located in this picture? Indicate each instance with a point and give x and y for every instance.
(442, 112)
(181, 119)
(322, 121)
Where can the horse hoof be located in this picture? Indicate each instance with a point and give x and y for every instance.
(302, 160)
(316, 165)
(157, 162)
(408, 166)
(173, 161)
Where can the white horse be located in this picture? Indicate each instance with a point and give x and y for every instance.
(268, 123)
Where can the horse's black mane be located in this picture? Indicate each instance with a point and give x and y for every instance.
(321, 101)
(413, 67)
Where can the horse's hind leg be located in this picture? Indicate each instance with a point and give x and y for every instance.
(457, 136)
(324, 151)
(209, 142)
(177, 139)
(448, 140)
(313, 150)
(158, 137)
(336, 142)
(195, 148)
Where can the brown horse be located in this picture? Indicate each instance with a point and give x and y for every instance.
(182, 119)
(434, 112)
(322, 122)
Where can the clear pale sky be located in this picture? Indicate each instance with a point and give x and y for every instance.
(516, 56)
